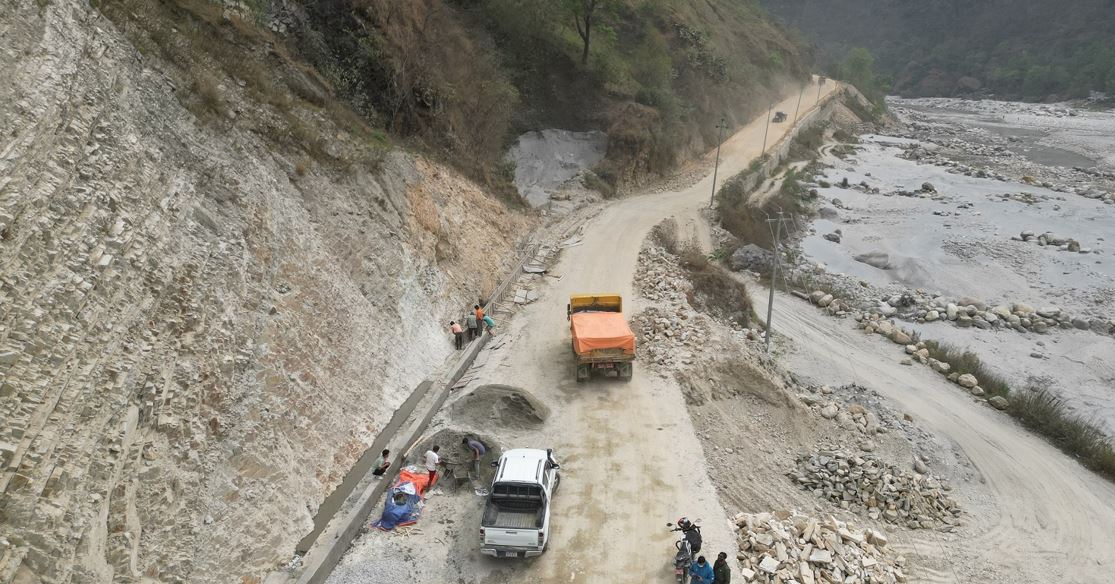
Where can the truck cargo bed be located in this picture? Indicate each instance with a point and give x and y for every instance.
(503, 517)
(601, 331)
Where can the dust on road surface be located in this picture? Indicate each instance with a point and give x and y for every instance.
(1056, 519)
(631, 459)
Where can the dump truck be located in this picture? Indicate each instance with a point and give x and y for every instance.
(602, 341)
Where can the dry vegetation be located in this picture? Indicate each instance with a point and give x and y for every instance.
(1045, 413)
(962, 362)
(1039, 409)
(715, 291)
(224, 59)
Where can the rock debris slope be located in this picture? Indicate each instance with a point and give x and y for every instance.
(196, 340)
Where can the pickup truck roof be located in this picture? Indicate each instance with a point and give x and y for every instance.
(521, 465)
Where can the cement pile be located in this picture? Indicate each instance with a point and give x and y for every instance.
(916, 500)
(544, 161)
(785, 547)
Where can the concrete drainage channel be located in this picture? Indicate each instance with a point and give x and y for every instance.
(343, 512)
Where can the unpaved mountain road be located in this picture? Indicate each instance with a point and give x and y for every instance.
(1049, 519)
(631, 458)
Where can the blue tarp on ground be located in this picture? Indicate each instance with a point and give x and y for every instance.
(401, 507)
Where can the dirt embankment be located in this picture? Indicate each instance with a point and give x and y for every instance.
(201, 330)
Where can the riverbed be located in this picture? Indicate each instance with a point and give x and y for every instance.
(953, 228)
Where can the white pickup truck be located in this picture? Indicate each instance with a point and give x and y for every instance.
(516, 521)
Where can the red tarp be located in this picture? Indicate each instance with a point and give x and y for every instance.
(601, 330)
(420, 480)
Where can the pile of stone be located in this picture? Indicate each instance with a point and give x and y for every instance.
(786, 547)
(1052, 240)
(921, 307)
(830, 303)
(659, 277)
(863, 483)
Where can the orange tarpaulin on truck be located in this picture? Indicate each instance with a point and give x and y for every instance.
(601, 330)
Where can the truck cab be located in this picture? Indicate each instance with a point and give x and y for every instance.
(516, 521)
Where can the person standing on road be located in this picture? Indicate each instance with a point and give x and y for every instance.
(479, 312)
(720, 570)
(432, 460)
(472, 324)
(701, 572)
(458, 334)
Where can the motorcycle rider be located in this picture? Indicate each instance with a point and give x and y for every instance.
(692, 534)
(701, 572)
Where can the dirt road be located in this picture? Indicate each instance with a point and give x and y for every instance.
(631, 458)
(1050, 519)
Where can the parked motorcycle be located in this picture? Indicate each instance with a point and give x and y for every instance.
(687, 547)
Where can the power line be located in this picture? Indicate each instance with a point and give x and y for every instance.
(776, 269)
(766, 129)
(712, 198)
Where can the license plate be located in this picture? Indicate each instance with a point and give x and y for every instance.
(508, 554)
(605, 365)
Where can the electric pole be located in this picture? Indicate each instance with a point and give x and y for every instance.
(720, 140)
(775, 268)
(766, 128)
(798, 107)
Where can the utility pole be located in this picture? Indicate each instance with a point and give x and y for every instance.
(776, 267)
(766, 128)
(712, 197)
(798, 107)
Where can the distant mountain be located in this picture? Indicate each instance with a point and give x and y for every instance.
(1023, 49)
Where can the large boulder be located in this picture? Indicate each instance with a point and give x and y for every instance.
(751, 257)
(967, 380)
(875, 259)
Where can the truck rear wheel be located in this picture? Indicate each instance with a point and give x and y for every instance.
(583, 373)
(626, 370)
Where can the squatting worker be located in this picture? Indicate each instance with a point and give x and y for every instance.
(381, 463)
(432, 460)
(458, 334)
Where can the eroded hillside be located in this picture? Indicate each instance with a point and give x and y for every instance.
(201, 326)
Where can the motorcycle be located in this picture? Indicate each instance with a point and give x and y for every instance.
(687, 547)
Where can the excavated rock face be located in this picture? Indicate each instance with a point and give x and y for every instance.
(196, 341)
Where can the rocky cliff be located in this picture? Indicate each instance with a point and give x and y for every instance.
(200, 331)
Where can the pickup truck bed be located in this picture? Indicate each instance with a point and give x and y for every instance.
(508, 518)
